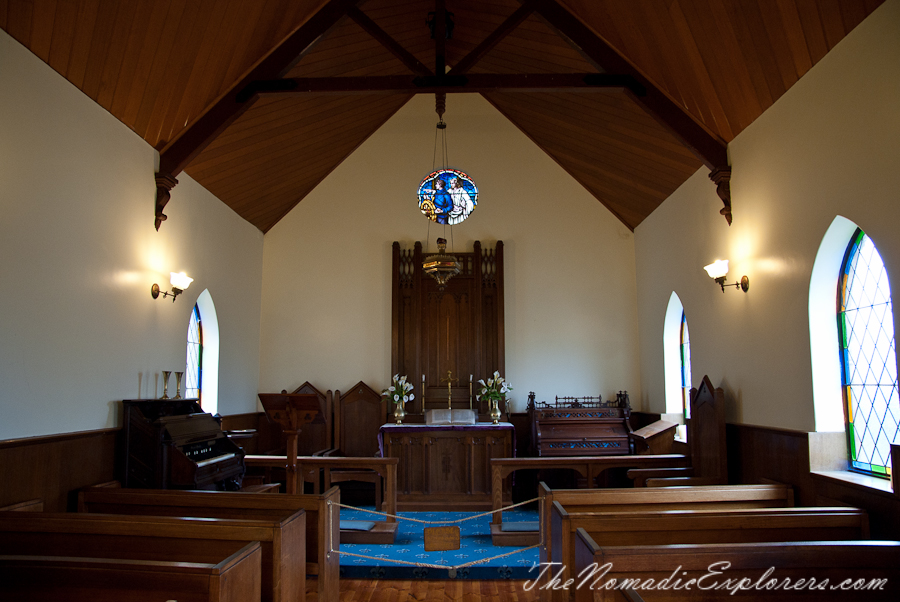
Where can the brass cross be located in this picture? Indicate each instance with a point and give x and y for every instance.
(449, 381)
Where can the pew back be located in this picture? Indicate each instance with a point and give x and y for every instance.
(154, 538)
(807, 565)
(740, 525)
(235, 578)
(322, 523)
(669, 498)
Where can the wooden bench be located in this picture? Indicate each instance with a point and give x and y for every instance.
(739, 525)
(308, 467)
(589, 467)
(162, 538)
(321, 521)
(674, 498)
(806, 564)
(235, 578)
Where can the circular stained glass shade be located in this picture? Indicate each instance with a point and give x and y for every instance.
(447, 196)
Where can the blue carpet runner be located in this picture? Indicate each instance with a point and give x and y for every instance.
(475, 544)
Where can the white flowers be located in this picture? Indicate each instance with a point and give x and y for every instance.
(399, 391)
(495, 387)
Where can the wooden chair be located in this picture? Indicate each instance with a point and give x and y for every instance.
(358, 414)
(706, 439)
(319, 434)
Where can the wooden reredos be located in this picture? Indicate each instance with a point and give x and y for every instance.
(459, 329)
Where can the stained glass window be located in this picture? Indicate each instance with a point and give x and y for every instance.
(447, 196)
(685, 368)
(194, 375)
(868, 357)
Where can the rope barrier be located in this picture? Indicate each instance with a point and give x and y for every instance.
(434, 522)
(451, 569)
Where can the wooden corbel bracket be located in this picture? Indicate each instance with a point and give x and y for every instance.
(722, 179)
(164, 184)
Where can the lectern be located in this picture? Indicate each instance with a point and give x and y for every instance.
(291, 411)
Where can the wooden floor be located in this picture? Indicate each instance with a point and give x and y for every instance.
(374, 590)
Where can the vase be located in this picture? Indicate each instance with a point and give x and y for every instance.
(178, 377)
(399, 413)
(495, 411)
(165, 374)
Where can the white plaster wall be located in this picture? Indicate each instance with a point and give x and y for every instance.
(830, 145)
(571, 324)
(79, 330)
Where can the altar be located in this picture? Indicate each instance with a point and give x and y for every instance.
(447, 467)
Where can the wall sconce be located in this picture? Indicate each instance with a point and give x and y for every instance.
(717, 272)
(180, 282)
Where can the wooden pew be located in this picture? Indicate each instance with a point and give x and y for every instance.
(163, 538)
(770, 495)
(384, 531)
(590, 467)
(806, 564)
(322, 522)
(741, 525)
(235, 578)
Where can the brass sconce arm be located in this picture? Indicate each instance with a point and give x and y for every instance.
(180, 281)
(744, 283)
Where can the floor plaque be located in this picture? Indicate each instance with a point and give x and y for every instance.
(440, 539)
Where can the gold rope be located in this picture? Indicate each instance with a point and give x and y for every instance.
(435, 522)
(416, 520)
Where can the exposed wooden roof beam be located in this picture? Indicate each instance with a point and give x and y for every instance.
(708, 147)
(505, 28)
(372, 28)
(178, 153)
(471, 83)
(440, 37)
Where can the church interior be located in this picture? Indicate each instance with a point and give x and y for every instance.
(272, 152)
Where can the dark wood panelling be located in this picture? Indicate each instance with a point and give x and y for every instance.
(457, 329)
(54, 468)
(757, 454)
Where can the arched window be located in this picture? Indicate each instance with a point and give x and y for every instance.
(202, 369)
(193, 386)
(677, 364)
(685, 347)
(868, 357)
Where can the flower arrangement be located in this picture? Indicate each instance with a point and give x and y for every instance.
(399, 391)
(494, 389)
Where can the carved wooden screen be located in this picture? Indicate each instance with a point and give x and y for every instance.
(459, 329)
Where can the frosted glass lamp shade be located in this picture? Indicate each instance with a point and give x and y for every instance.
(180, 280)
(718, 269)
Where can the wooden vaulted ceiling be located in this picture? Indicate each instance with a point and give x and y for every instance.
(259, 101)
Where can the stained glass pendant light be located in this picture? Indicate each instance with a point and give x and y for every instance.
(447, 197)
